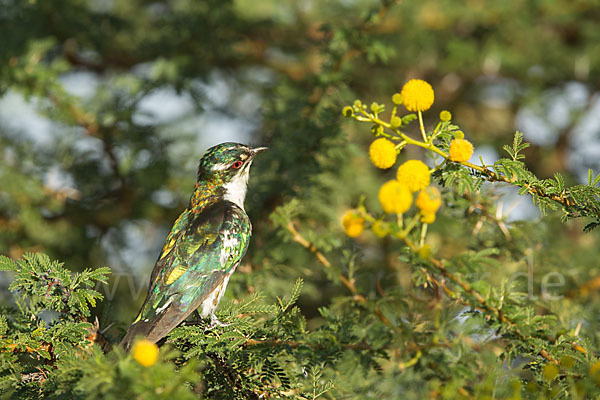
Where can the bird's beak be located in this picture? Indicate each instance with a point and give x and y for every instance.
(257, 150)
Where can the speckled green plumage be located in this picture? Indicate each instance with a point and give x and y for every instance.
(205, 245)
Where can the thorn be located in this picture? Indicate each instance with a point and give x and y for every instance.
(103, 331)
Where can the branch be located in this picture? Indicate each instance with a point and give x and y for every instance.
(295, 344)
(296, 237)
(563, 198)
(483, 306)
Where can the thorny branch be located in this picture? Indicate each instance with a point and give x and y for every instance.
(483, 305)
(298, 238)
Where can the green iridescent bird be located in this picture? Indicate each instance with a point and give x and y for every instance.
(204, 247)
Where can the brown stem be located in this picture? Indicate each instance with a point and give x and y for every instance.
(484, 305)
(349, 283)
(439, 265)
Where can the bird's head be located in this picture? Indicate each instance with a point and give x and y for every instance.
(226, 166)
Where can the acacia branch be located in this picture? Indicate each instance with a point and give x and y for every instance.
(349, 283)
(295, 344)
(489, 175)
(483, 305)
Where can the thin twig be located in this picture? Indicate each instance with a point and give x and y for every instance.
(491, 176)
(294, 344)
(349, 283)
(483, 306)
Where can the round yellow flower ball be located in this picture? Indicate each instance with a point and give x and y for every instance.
(382, 153)
(428, 218)
(395, 198)
(460, 150)
(429, 200)
(145, 352)
(414, 174)
(417, 95)
(353, 224)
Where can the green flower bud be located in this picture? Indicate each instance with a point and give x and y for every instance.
(397, 99)
(395, 122)
(445, 116)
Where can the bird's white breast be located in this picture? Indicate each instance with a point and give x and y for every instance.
(212, 300)
(235, 190)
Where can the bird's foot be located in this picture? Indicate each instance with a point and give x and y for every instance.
(194, 319)
(214, 321)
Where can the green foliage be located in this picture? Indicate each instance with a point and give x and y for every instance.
(47, 321)
(517, 147)
(107, 106)
(37, 278)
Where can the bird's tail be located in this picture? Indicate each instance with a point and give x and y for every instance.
(153, 329)
(135, 330)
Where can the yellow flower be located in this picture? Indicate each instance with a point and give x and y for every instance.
(145, 352)
(417, 95)
(428, 218)
(414, 174)
(460, 150)
(429, 200)
(353, 224)
(445, 116)
(395, 198)
(382, 153)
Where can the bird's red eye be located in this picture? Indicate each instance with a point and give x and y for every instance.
(237, 165)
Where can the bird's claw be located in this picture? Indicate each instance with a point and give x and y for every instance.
(214, 321)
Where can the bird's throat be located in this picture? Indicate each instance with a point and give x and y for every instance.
(205, 194)
(235, 190)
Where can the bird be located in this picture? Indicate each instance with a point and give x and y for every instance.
(204, 247)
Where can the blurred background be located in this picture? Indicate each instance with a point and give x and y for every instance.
(106, 107)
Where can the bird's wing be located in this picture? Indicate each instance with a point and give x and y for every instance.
(199, 253)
